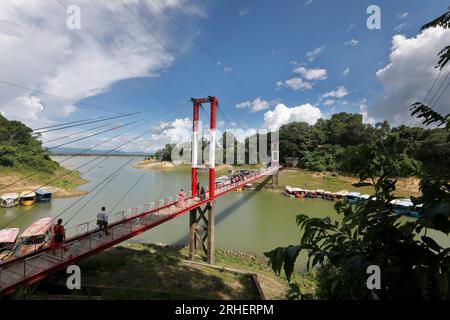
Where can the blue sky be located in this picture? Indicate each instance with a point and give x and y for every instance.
(258, 44)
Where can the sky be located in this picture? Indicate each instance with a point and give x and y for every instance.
(268, 62)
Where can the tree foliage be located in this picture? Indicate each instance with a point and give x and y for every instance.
(343, 143)
(20, 149)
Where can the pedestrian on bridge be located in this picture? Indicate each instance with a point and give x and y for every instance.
(202, 194)
(181, 198)
(59, 236)
(102, 220)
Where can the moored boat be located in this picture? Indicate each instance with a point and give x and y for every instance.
(37, 236)
(248, 187)
(294, 192)
(311, 194)
(27, 198)
(319, 193)
(363, 198)
(340, 195)
(9, 200)
(328, 195)
(405, 207)
(352, 197)
(43, 195)
(8, 239)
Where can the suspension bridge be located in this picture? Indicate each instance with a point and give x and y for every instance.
(85, 239)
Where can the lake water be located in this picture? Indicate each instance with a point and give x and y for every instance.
(250, 221)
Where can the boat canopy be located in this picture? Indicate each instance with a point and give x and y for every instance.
(291, 189)
(9, 235)
(342, 193)
(42, 192)
(28, 194)
(402, 203)
(38, 228)
(9, 196)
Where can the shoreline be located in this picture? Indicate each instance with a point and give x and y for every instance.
(66, 190)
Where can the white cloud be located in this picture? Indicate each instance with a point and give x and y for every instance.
(403, 15)
(352, 42)
(328, 102)
(340, 92)
(364, 112)
(255, 105)
(296, 84)
(39, 52)
(313, 54)
(27, 109)
(312, 74)
(176, 131)
(400, 27)
(346, 72)
(282, 114)
(243, 12)
(409, 75)
(308, 2)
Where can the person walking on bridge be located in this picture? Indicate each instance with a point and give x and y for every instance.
(102, 220)
(202, 194)
(181, 198)
(59, 236)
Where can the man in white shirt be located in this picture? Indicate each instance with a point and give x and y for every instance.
(102, 220)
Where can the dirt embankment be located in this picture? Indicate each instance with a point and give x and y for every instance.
(14, 183)
(153, 164)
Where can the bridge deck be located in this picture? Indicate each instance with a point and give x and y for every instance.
(85, 239)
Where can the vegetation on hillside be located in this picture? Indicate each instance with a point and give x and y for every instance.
(20, 149)
(343, 143)
(25, 163)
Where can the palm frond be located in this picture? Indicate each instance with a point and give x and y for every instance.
(430, 116)
(443, 21)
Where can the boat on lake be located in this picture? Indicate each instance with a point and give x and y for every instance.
(37, 236)
(248, 187)
(27, 198)
(352, 197)
(43, 196)
(8, 239)
(295, 192)
(328, 195)
(340, 195)
(405, 207)
(363, 198)
(9, 200)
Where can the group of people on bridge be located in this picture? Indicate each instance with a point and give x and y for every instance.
(59, 232)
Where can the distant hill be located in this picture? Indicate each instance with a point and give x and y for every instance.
(73, 151)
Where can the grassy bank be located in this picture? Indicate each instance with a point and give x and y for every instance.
(20, 179)
(327, 181)
(148, 271)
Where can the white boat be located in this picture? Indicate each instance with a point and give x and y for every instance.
(405, 207)
(352, 197)
(294, 192)
(9, 200)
